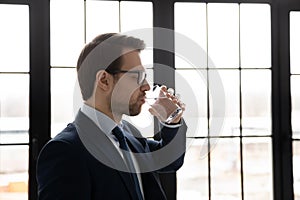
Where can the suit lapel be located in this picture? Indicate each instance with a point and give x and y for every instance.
(101, 148)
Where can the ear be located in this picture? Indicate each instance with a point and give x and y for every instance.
(103, 80)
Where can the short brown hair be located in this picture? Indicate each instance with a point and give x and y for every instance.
(104, 52)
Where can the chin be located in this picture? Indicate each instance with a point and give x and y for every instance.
(135, 112)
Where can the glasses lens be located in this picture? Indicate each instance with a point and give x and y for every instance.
(142, 77)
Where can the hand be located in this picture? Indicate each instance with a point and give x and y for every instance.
(166, 105)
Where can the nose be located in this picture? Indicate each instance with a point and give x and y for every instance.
(145, 86)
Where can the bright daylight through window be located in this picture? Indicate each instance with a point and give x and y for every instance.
(233, 164)
(230, 34)
(14, 101)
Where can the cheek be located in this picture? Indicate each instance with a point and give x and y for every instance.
(129, 88)
(125, 95)
(126, 89)
(134, 96)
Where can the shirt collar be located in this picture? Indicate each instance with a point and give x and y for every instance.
(105, 123)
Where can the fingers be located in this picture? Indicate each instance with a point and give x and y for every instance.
(171, 91)
(182, 105)
(163, 108)
(174, 97)
(164, 88)
(155, 113)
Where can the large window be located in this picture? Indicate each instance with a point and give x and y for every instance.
(252, 46)
(237, 46)
(14, 101)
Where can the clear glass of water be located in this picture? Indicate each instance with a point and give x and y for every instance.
(162, 104)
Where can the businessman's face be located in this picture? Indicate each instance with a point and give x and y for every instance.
(130, 86)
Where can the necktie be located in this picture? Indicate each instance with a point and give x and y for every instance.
(128, 159)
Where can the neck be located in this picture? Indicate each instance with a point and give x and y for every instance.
(105, 110)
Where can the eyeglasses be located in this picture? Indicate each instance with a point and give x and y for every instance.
(141, 75)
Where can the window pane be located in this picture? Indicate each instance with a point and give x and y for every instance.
(195, 29)
(183, 63)
(101, 17)
(225, 169)
(223, 35)
(192, 177)
(14, 172)
(67, 31)
(231, 84)
(63, 97)
(257, 168)
(191, 85)
(14, 108)
(255, 36)
(14, 38)
(256, 102)
(296, 166)
(147, 57)
(136, 15)
(295, 42)
(295, 95)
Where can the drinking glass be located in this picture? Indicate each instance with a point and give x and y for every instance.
(161, 103)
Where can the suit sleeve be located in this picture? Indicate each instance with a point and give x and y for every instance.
(60, 174)
(178, 145)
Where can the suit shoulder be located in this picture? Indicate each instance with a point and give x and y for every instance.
(64, 145)
(68, 135)
(66, 140)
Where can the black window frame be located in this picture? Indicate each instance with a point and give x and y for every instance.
(163, 16)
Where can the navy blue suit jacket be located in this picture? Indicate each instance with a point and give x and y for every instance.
(67, 169)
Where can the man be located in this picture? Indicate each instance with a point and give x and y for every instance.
(99, 155)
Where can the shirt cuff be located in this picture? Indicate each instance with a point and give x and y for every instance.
(171, 125)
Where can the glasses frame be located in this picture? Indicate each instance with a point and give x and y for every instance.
(142, 75)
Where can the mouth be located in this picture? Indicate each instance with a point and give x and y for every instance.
(143, 99)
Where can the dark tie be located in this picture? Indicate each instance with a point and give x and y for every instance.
(128, 159)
